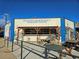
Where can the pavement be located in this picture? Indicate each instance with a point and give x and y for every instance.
(36, 52)
(5, 53)
(31, 52)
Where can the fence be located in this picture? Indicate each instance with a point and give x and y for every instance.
(47, 47)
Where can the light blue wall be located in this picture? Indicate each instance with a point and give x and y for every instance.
(12, 31)
(63, 30)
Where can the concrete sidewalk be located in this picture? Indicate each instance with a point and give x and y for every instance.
(5, 53)
(28, 54)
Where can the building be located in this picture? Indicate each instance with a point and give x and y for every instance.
(38, 29)
(77, 30)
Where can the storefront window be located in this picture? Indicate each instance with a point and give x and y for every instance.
(40, 31)
(29, 31)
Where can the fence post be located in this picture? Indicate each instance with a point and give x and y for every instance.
(12, 44)
(74, 57)
(46, 56)
(21, 49)
(7, 42)
(60, 54)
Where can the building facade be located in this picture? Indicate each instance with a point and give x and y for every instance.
(38, 29)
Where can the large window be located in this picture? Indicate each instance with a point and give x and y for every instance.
(40, 30)
(29, 31)
(43, 31)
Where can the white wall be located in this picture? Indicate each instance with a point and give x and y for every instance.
(33, 37)
(41, 22)
(37, 22)
(7, 30)
(69, 23)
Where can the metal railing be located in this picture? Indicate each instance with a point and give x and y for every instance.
(46, 51)
(45, 54)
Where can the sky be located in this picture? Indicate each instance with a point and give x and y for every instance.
(40, 9)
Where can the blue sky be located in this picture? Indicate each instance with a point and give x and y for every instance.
(40, 8)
